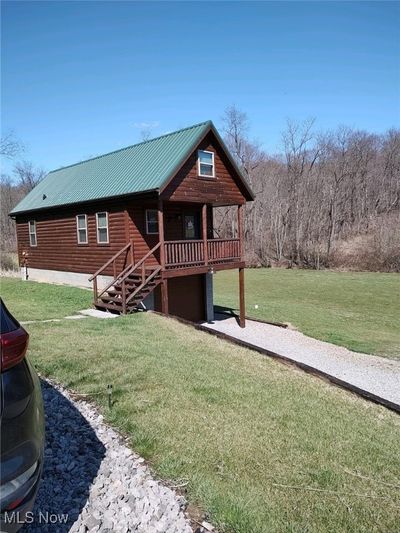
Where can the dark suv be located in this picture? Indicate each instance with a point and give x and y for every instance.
(21, 425)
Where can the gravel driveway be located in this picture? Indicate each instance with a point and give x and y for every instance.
(94, 480)
(376, 375)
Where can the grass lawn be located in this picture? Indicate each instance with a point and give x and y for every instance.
(41, 301)
(264, 447)
(359, 310)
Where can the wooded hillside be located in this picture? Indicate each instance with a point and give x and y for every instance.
(329, 199)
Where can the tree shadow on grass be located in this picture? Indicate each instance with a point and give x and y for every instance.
(73, 455)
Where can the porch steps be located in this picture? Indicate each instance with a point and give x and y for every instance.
(126, 292)
(112, 298)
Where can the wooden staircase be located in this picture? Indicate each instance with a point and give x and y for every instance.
(126, 292)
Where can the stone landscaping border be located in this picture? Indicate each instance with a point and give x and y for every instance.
(93, 482)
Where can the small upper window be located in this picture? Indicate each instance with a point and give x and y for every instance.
(32, 233)
(81, 228)
(102, 227)
(151, 221)
(206, 164)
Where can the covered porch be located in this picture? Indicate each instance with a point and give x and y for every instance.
(197, 250)
(186, 237)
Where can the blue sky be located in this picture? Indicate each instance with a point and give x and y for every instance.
(79, 78)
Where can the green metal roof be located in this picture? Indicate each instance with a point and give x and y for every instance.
(142, 167)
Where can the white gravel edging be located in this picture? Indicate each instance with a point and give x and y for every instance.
(376, 375)
(91, 476)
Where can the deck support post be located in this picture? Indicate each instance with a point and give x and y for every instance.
(242, 307)
(204, 222)
(164, 297)
(161, 232)
(240, 232)
(164, 283)
(209, 293)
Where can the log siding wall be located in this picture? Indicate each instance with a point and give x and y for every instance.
(57, 242)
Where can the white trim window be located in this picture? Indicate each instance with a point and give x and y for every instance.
(206, 167)
(81, 229)
(102, 227)
(151, 221)
(32, 233)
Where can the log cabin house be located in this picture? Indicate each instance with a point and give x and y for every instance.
(137, 223)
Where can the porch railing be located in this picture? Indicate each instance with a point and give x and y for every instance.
(178, 253)
(222, 250)
(192, 252)
(128, 256)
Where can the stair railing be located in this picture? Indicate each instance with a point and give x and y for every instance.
(127, 248)
(122, 276)
(130, 271)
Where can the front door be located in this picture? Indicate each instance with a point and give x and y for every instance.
(191, 225)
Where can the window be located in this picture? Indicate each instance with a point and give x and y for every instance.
(151, 221)
(32, 233)
(81, 229)
(191, 223)
(206, 164)
(102, 227)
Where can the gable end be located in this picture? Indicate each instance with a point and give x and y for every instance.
(225, 186)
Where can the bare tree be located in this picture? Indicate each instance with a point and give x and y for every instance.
(146, 133)
(249, 156)
(12, 190)
(27, 175)
(301, 154)
(390, 181)
(10, 146)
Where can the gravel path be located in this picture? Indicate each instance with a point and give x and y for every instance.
(91, 476)
(371, 373)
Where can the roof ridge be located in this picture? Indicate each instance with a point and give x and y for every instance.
(133, 145)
